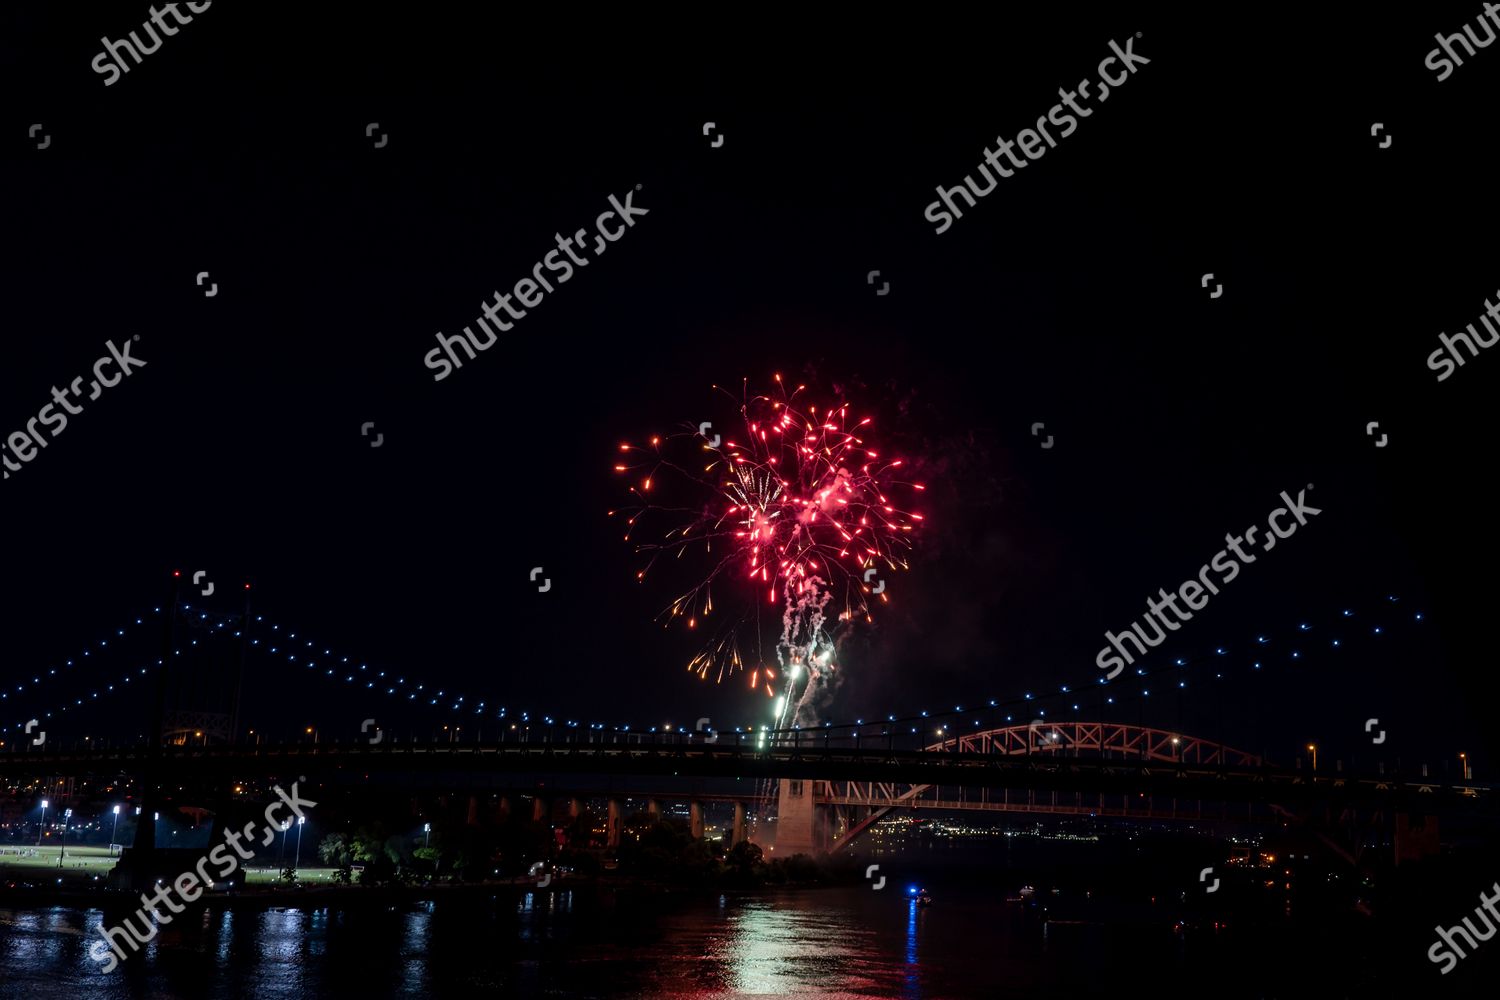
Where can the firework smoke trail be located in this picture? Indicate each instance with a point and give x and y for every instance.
(796, 510)
(805, 648)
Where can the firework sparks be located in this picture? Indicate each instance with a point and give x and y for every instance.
(802, 510)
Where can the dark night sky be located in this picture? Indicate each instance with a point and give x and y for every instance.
(1070, 296)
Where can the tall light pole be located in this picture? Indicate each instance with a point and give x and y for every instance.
(63, 849)
(1314, 748)
(298, 859)
(1463, 766)
(427, 829)
(112, 830)
(44, 823)
(286, 825)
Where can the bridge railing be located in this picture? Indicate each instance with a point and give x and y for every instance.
(1108, 741)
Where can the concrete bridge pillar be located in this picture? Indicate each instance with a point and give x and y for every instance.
(794, 818)
(1416, 837)
(695, 820)
(473, 818)
(502, 809)
(737, 833)
(613, 824)
(541, 810)
(574, 807)
(653, 809)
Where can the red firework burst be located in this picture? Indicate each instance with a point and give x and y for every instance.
(801, 502)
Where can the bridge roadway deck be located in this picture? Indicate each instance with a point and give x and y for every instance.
(701, 759)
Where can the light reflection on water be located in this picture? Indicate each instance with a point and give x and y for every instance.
(690, 946)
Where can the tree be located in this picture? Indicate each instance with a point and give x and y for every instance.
(744, 855)
(744, 866)
(431, 855)
(335, 850)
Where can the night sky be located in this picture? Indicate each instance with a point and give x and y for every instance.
(1070, 296)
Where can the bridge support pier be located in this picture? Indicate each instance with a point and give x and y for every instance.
(695, 820)
(737, 833)
(1416, 837)
(473, 818)
(541, 810)
(502, 809)
(653, 809)
(795, 813)
(612, 824)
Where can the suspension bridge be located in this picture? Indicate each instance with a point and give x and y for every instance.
(831, 782)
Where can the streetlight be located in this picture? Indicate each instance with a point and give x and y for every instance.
(427, 829)
(44, 823)
(313, 732)
(1463, 766)
(112, 830)
(286, 825)
(63, 849)
(1314, 748)
(298, 859)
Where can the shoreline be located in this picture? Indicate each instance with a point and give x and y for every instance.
(386, 895)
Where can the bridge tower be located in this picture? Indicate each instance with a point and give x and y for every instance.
(796, 819)
(202, 695)
(189, 703)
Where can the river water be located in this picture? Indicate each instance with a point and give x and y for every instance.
(837, 942)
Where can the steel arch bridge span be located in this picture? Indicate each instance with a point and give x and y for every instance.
(1076, 739)
(1102, 740)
